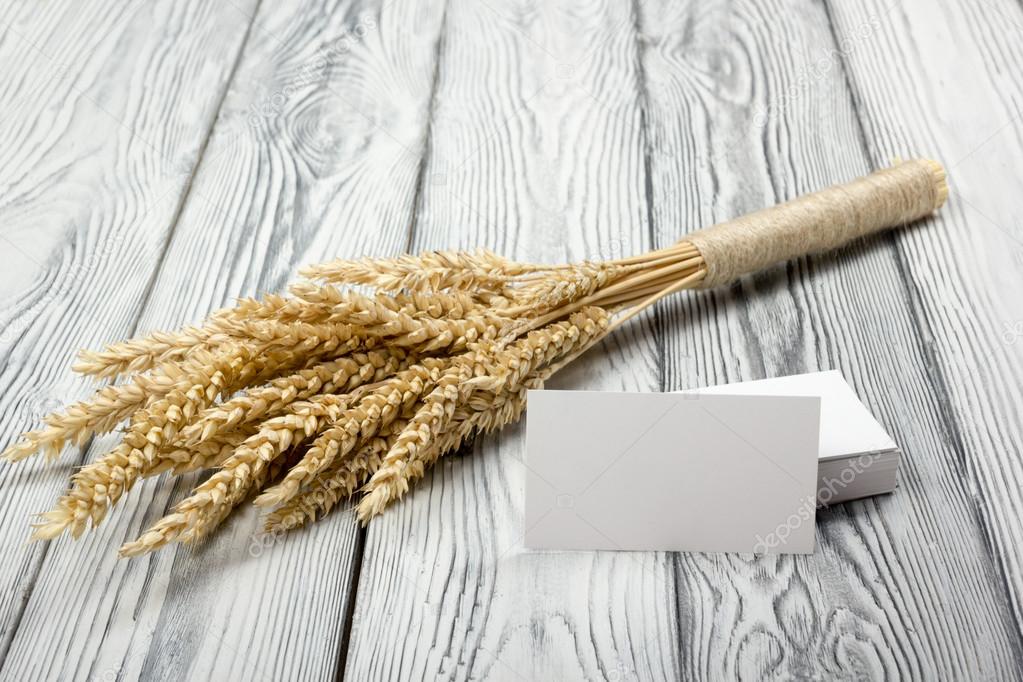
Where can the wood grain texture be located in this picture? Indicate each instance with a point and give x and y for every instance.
(159, 159)
(762, 120)
(316, 153)
(536, 151)
(102, 129)
(962, 278)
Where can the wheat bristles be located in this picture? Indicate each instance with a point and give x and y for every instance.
(404, 460)
(239, 472)
(150, 446)
(335, 483)
(376, 410)
(417, 447)
(336, 376)
(432, 271)
(113, 404)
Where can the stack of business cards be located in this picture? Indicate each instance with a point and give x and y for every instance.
(734, 468)
(857, 456)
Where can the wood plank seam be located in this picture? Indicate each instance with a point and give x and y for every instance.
(657, 322)
(203, 145)
(932, 363)
(417, 204)
(657, 318)
(83, 451)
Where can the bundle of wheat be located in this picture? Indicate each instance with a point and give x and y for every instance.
(311, 398)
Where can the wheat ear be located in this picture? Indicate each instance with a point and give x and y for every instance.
(376, 410)
(336, 376)
(239, 472)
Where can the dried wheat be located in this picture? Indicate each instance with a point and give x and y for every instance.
(432, 271)
(335, 376)
(241, 471)
(374, 411)
(405, 460)
(341, 389)
(335, 483)
(417, 446)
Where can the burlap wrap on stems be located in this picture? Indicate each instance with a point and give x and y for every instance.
(820, 221)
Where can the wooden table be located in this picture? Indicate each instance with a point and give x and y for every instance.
(159, 159)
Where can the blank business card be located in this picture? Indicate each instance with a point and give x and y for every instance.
(857, 458)
(664, 471)
(847, 427)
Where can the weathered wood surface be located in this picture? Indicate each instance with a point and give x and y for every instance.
(316, 152)
(106, 110)
(242, 141)
(780, 121)
(962, 281)
(536, 151)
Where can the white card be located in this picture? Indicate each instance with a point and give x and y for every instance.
(847, 427)
(663, 471)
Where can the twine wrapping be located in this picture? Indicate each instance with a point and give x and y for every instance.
(820, 221)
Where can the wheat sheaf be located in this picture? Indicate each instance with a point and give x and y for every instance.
(369, 371)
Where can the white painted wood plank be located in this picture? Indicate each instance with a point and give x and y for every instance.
(949, 88)
(106, 106)
(745, 105)
(536, 151)
(316, 153)
(748, 106)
